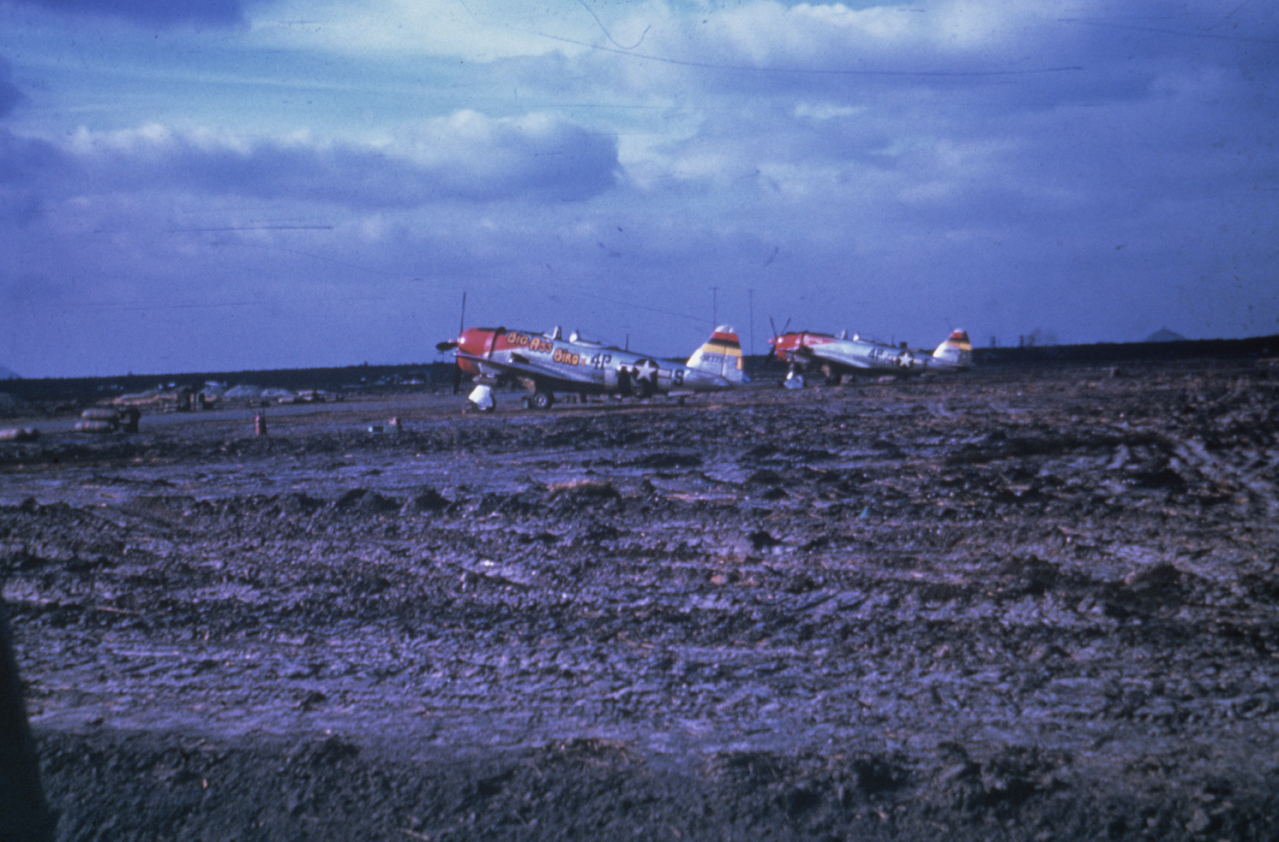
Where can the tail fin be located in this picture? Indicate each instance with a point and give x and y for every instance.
(956, 351)
(720, 355)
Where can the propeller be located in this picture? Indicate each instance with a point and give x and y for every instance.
(776, 334)
(451, 344)
(457, 364)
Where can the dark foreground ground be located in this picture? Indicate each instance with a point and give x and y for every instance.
(1032, 604)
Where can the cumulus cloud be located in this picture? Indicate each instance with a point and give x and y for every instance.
(1018, 55)
(882, 167)
(466, 157)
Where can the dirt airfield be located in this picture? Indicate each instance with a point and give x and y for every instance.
(1021, 603)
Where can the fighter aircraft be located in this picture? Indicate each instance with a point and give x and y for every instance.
(835, 356)
(546, 363)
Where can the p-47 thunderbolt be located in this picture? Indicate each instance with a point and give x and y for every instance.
(546, 363)
(835, 356)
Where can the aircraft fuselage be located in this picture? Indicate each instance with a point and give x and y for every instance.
(837, 355)
(543, 362)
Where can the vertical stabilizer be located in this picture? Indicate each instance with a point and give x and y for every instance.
(956, 351)
(721, 355)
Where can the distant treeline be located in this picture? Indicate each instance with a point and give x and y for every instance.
(372, 378)
(438, 375)
(1109, 352)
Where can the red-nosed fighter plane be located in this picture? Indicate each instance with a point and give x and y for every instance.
(835, 356)
(546, 363)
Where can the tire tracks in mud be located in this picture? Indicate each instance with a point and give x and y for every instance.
(984, 595)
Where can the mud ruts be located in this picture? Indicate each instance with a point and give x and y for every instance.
(1030, 604)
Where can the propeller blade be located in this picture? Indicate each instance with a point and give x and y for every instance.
(446, 345)
(457, 364)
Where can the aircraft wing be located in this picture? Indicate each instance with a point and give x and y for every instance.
(522, 366)
(836, 355)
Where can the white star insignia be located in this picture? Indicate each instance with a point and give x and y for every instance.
(646, 370)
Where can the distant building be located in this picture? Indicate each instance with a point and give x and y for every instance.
(1165, 335)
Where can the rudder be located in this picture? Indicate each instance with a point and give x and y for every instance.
(721, 355)
(956, 351)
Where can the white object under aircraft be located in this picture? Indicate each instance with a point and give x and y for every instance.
(835, 356)
(546, 363)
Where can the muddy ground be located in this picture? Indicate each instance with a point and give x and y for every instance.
(1032, 604)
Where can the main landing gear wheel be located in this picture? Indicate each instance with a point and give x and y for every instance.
(542, 400)
(481, 398)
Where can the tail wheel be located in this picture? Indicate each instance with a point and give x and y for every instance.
(543, 400)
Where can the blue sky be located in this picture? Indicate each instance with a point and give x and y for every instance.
(234, 184)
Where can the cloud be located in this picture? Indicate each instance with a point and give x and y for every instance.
(154, 12)
(1016, 85)
(476, 30)
(1018, 55)
(465, 157)
(1002, 165)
